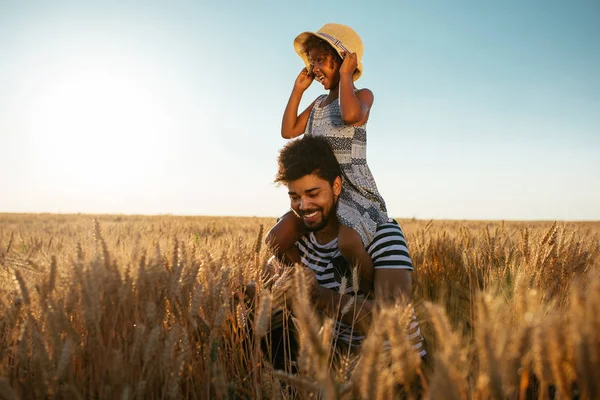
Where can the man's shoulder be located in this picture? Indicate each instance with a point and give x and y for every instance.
(390, 228)
(387, 233)
(388, 248)
(389, 222)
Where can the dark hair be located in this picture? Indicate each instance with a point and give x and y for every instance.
(315, 42)
(305, 156)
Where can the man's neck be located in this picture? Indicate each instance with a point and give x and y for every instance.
(328, 233)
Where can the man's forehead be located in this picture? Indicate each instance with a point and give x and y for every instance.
(307, 183)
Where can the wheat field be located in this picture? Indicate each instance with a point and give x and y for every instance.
(153, 307)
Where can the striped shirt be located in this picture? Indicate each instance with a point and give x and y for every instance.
(388, 250)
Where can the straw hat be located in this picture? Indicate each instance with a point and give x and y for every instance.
(340, 37)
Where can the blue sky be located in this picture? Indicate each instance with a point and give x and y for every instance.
(483, 110)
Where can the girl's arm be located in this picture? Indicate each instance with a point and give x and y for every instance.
(354, 106)
(292, 124)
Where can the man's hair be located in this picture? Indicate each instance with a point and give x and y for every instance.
(305, 156)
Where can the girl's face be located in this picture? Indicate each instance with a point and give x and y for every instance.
(325, 68)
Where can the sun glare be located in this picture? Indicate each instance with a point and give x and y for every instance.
(99, 123)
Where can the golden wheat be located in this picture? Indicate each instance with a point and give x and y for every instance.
(139, 307)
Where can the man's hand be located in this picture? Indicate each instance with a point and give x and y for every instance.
(349, 64)
(304, 80)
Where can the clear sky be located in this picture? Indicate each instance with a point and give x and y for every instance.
(483, 109)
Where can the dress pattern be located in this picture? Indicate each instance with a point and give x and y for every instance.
(360, 206)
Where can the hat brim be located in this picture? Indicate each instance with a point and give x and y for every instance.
(338, 47)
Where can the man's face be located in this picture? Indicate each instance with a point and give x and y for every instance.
(313, 199)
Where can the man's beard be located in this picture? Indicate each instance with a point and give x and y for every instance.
(324, 219)
(316, 228)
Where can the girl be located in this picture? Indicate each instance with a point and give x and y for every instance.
(332, 56)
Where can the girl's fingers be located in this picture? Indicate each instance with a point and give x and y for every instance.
(346, 54)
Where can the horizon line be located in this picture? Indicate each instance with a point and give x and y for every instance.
(6, 213)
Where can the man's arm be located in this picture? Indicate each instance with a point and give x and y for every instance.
(390, 285)
(392, 280)
(392, 264)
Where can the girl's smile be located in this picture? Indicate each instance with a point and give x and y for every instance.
(324, 68)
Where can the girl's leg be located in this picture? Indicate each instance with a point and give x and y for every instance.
(283, 237)
(353, 250)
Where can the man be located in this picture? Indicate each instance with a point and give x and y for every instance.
(309, 169)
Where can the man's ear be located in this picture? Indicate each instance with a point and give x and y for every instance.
(337, 186)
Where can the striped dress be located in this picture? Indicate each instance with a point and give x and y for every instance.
(388, 251)
(360, 206)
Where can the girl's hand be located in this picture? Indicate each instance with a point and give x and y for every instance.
(304, 80)
(349, 64)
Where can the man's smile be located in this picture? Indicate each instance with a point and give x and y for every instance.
(310, 216)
